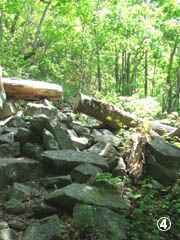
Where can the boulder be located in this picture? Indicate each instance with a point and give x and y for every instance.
(14, 206)
(162, 161)
(48, 228)
(85, 173)
(80, 130)
(5, 232)
(7, 138)
(107, 224)
(68, 159)
(20, 192)
(68, 196)
(9, 109)
(32, 151)
(10, 149)
(59, 182)
(19, 170)
(49, 141)
(16, 121)
(120, 169)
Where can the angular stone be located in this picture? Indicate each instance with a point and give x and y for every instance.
(49, 141)
(5, 232)
(32, 151)
(16, 121)
(39, 122)
(25, 135)
(14, 206)
(59, 182)
(42, 209)
(19, 170)
(7, 138)
(20, 192)
(120, 169)
(108, 139)
(107, 224)
(10, 149)
(80, 130)
(9, 109)
(68, 196)
(162, 161)
(45, 229)
(85, 172)
(33, 109)
(68, 159)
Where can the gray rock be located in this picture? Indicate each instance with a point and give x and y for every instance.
(42, 209)
(49, 141)
(80, 130)
(80, 142)
(62, 137)
(107, 151)
(33, 109)
(9, 109)
(45, 229)
(32, 151)
(14, 206)
(59, 182)
(5, 231)
(107, 139)
(7, 138)
(20, 192)
(10, 130)
(107, 224)
(16, 121)
(68, 159)
(68, 196)
(10, 149)
(162, 161)
(85, 172)
(120, 169)
(19, 170)
(27, 135)
(39, 122)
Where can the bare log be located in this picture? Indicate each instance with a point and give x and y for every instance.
(31, 89)
(113, 116)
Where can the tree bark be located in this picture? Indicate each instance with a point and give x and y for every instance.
(146, 74)
(113, 116)
(31, 90)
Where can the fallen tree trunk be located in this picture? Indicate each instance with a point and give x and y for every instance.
(31, 89)
(113, 116)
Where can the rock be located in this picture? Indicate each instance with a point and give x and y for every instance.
(16, 121)
(162, 161)
(10, 130)
(7, 138)
(20, 192)
(107, 224)
(9, 109)
(32, 151)
(14, 206)
(62, 137)
(80, 142)
(45, 229)
(19, 170)
(59, 182)
(10, 149)
(5, 231)
(68, 196)
(108, 139)
(49, 141)
(42, 209)
(80, 130)
(85, 172)
(68, 159)
(33, 109)
(96, 133)
(107, 151)
(64, 118)
(25, 135)
(39, 122)
(120, 169)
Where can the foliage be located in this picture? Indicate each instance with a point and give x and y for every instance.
(107, 177)
(148, 205)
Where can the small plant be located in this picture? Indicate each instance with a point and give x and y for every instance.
(28, 118)
(107, 177)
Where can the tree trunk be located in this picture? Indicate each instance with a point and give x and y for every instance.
(146, 74)
(99, 72)
(113, 116)
(35, 45)
(168, 81)
(31, 90)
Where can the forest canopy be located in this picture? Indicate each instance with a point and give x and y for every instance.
(125, 47)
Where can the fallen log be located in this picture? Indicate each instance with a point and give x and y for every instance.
(113, 116)
(31, 89)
